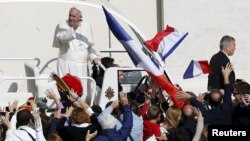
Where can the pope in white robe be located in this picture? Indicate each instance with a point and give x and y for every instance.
(75, 42)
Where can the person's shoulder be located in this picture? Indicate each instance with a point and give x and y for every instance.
(218, 56)
(150, 124)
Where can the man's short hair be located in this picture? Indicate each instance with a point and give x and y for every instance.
(107, 121)
(153, 112)
(225, 40)
(107, 61)
(242, 88)
(23, 117)
(78, 116)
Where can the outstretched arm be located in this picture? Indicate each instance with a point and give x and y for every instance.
(227, 86)
(38, 123)
(127, 122)
(193, 101)
(200, 124)
(81, 103)
(6, 122)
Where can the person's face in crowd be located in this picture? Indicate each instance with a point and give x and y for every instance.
(74, 16)
(231, 48)
(215, 99)
(188, 111)
(153, 89)
(120, 76)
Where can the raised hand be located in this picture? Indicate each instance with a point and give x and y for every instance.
(73, 94)
(123, 98)
(226, 72)
(70, 98)
(33, 105)
(183, 95)
(200, 97)
(69, 111)
(50, 94)
(197, 112)
(115, 104)
(247, 98)
(75, 25)
(90, 136)
(13, 106)
(37, 118)
(5, 120)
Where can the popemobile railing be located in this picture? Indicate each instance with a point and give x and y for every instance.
(90, 96)
(22, 59)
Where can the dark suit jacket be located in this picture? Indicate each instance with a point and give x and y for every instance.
(215, 78)
(221, 114)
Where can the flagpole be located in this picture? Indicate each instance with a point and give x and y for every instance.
(164, 66)
(156, 56)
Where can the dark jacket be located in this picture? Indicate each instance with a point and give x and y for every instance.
(215, 78)
(73, 133)
(123, 133)
(241, 115)
(190, 125)
(218, 115)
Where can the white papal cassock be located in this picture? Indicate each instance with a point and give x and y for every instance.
(75, 50)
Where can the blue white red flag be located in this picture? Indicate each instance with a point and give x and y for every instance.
(166, 41)
(140, 59)
(197, 68)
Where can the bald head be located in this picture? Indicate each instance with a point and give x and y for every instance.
(75, 15)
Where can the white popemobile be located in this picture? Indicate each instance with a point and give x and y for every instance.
(37, 77)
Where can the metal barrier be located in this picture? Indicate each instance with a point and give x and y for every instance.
(93, 91)
(22, 59)
(110, 51)
(47, 64)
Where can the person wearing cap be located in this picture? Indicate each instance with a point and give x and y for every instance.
(75, 42)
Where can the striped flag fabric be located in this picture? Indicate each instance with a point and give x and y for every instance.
(166, 41)
(196, 68)
(140, 59)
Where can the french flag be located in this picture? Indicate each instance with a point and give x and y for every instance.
(197, 68)
(166, 41)
(140, 59)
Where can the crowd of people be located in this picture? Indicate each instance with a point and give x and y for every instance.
(141, 115)
(130, 118)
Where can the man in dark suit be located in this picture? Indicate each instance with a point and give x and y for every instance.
(227, 48)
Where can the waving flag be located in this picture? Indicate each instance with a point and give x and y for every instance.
(140, 59)
(197, 68)
(166, 41)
